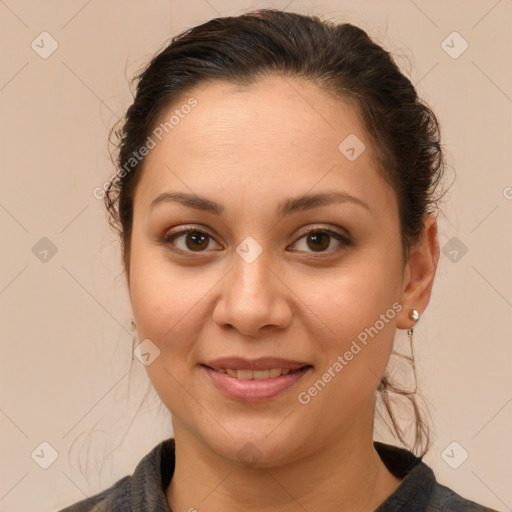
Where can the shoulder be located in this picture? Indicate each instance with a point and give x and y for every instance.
(444, 499)
(115, 498)
(419, 491)
(144, 490)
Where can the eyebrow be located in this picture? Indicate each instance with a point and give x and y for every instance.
(287, 207)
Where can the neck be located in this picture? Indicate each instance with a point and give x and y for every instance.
(347, 476)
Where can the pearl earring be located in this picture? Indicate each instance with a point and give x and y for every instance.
(414, 316)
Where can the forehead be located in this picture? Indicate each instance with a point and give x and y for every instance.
(277, 136)
(275, 111)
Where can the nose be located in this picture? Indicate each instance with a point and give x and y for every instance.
(253, 298)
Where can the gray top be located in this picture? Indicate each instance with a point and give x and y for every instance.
(144, 491)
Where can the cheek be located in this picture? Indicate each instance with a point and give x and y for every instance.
(161, 296)
(163, 306)
(352, 298)
(355, 309)
(360, 328)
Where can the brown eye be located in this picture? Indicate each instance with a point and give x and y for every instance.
(189, 240)
(196, 240)
(319, 241)
(316, 241)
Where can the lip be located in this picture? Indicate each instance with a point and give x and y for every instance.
(263, 363)
(254, 390)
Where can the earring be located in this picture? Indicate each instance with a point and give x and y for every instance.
(414, 316)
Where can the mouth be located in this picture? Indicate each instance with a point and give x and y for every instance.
(255, 374)
(254, 380)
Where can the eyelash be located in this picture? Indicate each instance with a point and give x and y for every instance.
(346, 241)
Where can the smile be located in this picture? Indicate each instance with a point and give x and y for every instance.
(255, 374)
(254, 384)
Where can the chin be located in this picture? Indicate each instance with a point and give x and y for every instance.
(255, 448)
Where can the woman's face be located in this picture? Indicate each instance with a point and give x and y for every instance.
(303, 291)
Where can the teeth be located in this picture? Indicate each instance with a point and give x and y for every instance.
(275, 372)
(256, 374)
(244, 374)
(261, 374)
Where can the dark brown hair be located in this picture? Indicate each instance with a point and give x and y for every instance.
(343, 61)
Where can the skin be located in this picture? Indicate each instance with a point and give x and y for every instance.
(248, 149)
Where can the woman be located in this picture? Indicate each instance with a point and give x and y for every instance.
(275, 201)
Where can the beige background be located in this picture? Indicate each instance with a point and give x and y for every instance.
(66, 322)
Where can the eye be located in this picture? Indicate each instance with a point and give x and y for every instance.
(319, 240)
(193, 240)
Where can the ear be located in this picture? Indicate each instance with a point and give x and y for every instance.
(419, 273)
